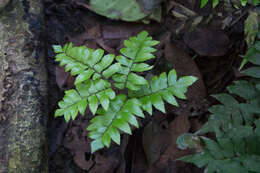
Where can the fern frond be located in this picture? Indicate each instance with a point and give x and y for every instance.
(163, 88)
(92, 87)
(87, 93)
(120, 114)
(137, 50)
(228, 118)
(85, 62)
(252, 55)
(236, 125)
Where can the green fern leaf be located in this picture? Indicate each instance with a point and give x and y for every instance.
(252, 55)
(163, 88)
(253, 72)
(199, 159)
(93, 88)
(236, 125)
(86, 93)
(86, 62)
(120, 114)
(203, 3)
(137, 50)
(243, 89)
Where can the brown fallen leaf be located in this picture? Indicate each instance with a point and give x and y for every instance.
(78, 146)
(63, 79)
(185, 66)
(105, 164)
(103, 45)
(125, 30)
(136, 153)
(155, 141)
(207, 42)
(177, 127)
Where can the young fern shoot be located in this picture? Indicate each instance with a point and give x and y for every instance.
(97, 77)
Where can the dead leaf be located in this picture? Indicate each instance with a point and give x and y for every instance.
(185, 66)
(155, 141)
(78, 146)
(126, 30)
(94, 32)
(177, 127)
(207, 42)
(63, 79)
(103, 45)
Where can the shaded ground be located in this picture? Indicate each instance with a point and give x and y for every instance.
(210, 52)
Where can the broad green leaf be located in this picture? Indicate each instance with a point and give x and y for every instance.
(104, 63)
(57, 48)
(157, 102)
(96, 145)
(115, 135)
(141, 67)
(172, 77)
(253, 72)
(147, 104)
(215, 3)
(96, 57)
(124, 61)
(84, 76)
(126, 10)
(106, 139)
(226, 99)
(213, 148)
(251, 26)
(227, 146)
(167, 96)
(243, 2)
(135, 79)
(199, 159)
(203, 3)
(104, 99)
(122, 125)
(251, 163)
(243, 88)
(111, 70)
(70, 105)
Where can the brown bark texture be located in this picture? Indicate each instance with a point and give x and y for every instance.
(23, 88)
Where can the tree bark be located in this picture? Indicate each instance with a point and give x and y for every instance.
(23, 88)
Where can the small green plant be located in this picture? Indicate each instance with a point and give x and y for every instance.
(99, 78)
(216, 2)
(236, 125)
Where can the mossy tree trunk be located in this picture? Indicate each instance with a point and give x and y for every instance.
(23, 88)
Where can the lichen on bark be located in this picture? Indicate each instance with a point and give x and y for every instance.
(23, 89)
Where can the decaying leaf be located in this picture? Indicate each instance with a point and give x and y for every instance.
(184, 65)
(78, 146)
(155, 141)
(63, 79)
(177, 127)
(207, 42)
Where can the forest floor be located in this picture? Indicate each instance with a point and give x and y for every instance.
(209, 51)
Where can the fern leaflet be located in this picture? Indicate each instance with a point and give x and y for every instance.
(137, 50)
